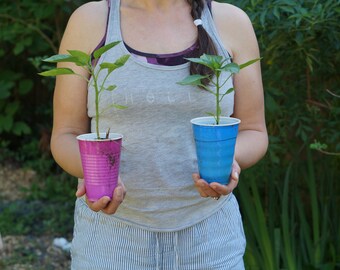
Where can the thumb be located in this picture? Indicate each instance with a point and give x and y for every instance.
(196, 177)
(80, 188)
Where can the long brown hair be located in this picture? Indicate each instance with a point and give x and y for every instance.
(205, 43)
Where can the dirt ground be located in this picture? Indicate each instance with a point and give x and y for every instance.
(32, 253)
(22, 252)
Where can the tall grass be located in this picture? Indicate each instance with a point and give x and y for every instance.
(291, 217)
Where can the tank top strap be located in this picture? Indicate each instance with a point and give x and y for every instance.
(209, 5)
(209, 26)
(113, 29)
(102, 42)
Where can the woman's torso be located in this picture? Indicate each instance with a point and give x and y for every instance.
(159, 156)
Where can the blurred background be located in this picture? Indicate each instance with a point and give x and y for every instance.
(289, 201)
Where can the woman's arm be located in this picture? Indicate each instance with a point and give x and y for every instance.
(238, 35)
(84, 31)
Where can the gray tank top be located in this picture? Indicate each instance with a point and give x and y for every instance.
(158, 158)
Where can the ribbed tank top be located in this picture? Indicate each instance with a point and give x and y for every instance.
(159, 157)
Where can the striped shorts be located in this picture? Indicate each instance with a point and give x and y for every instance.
(103, 243)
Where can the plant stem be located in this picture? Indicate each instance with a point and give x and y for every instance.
(328, 153)
(217, 99)
(95, 84)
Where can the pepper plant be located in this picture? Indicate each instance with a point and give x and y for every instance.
(217, 64)
(88, 63)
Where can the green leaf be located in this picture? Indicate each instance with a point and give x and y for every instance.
(249, 63)
(271, 103)
(56, 72)
(197, 60)
(318, 146)
(263, 18)
(192, 80)
(117, 64)
(25, 86)
(61, 58)
(288, 9)
(83, 58)
(109, 66)
(6, 122)
(122, 60)
(211, 61)
(12, 108)
(111, 88)
(20, 128)
(229, 91)
(210, 114)
(117, 106)
(232, 68)
(18, 49)
(214, 61)
(98, 53)
(276, 12)
(5, 89)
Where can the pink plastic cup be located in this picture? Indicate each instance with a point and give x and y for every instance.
(100, 160)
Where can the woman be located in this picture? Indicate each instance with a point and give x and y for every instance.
(162, 215)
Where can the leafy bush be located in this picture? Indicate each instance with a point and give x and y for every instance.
(290, 200)
(300, 42)
(29, 31)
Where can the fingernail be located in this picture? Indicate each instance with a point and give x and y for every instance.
(236, 175)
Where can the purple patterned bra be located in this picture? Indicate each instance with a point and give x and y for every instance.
(169, 59)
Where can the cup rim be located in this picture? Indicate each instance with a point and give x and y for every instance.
(93, 137)
(210, 121)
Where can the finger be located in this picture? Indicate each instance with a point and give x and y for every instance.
(219, 188)
(100, 204)
(121, 184)
(80, 188)
(197, 179)
(203, 187)
(117, 199)
(235, 169)
(234, 178)
(195, 176)
(232, 184)
(226, 189)
(206, 188)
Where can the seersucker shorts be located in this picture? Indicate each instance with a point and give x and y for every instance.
(103, 243)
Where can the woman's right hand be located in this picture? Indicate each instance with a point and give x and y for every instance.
(104, 204)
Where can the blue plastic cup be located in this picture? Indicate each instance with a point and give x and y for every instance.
(215, 147)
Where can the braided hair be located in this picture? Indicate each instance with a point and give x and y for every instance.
(205, 43)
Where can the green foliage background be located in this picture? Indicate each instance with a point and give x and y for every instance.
(289, 201)
(29, 31)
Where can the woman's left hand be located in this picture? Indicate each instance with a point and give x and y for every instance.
(104, 204)
(216, 190)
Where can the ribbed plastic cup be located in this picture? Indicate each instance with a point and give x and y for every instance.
(100, 160)
(215, 147)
